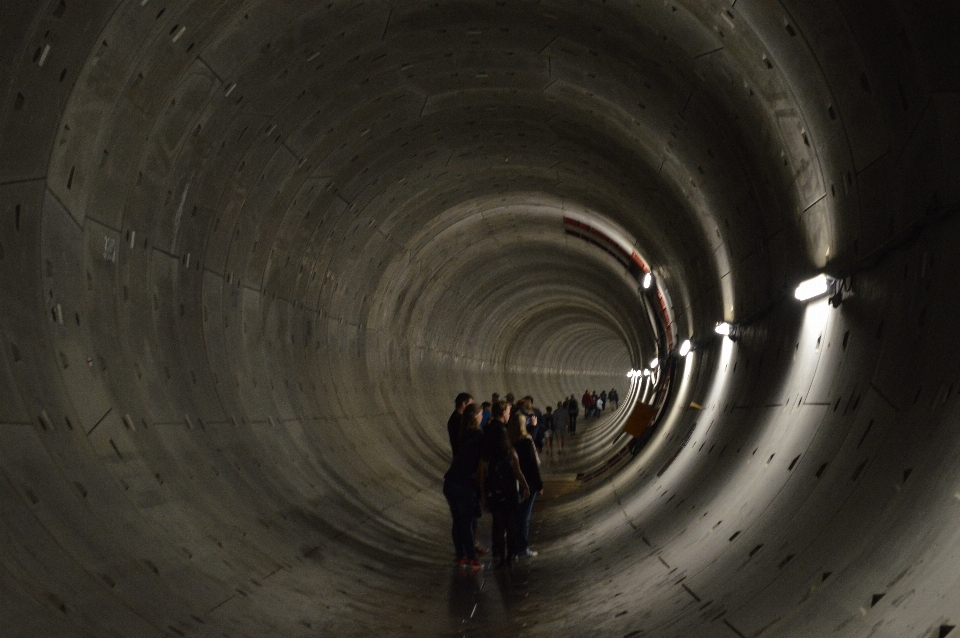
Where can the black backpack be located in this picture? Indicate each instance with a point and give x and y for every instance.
(501, 484)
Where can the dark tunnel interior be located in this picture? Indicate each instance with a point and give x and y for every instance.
(250, 250)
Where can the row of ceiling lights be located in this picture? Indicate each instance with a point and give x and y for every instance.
(807, 290)
(810, 289)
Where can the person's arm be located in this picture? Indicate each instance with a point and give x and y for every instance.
(517, 472)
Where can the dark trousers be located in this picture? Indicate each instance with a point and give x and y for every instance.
(523, 522)
(504, 525)
(573, 424)
(461, 498)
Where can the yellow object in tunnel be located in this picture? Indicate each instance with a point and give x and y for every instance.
(639, 420)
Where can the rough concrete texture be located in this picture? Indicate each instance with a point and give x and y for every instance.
(250, 250)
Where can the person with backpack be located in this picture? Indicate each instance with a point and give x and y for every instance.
(503, 485)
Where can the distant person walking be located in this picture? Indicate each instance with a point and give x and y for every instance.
(546, 430)
(614, 398)
(573, 411)
(587, 401)
(561, 421)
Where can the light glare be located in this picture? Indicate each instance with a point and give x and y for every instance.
(685, 348)
(811, 288)
(647, 281)
(654, 362)
(723, 328)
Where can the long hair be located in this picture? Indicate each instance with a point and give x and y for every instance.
(517, 428)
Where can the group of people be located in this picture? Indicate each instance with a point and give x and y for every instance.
(594, 404)
(496, 467)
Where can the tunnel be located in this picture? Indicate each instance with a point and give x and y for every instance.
(250, 250)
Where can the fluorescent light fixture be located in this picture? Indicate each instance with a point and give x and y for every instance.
(819, 285)
(654, 362)
(633, 373)
(646, 372)
(685, 348)
(723, 329)
(647, 280)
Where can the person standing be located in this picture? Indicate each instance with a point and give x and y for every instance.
(587, 401)
(614, 398)
(503, 484)
(561, 421)
(603, 399)
(525, 407)
(545, 431)
(460, 485)
(456, 419)
(541, 428)
(529, 460)
(573, 410)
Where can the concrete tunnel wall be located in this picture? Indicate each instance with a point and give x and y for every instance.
(249, 251)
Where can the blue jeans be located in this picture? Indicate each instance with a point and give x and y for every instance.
(523, 522)
(461, 498)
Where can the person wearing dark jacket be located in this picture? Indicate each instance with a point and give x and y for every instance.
(503, 484)
(460, 485)
(530, 466)
(573, 409)
(456, 419)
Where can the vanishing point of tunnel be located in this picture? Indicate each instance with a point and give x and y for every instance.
(250, 250)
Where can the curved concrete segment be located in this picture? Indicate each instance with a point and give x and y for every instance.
(249, 252)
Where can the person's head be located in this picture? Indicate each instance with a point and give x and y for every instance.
(509, 398)
(500, 411)
(494, 398)
(549, 410)
(560, 404)
(525, 404)
(517, 428)
(471, 417)
(485, 406)
(463, 400)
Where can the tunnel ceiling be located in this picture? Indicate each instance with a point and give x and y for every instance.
(249, 251)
